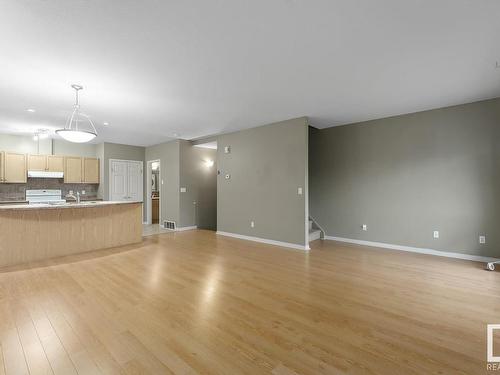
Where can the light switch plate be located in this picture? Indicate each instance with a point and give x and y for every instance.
(482, 239)
(364, 227)
(183, 189)
(299, 191)
(435, 234)
(227, 149)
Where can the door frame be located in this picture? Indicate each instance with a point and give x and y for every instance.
(148, 205)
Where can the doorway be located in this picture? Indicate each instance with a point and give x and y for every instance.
(154, 196)
(206, 198)
(125, 180)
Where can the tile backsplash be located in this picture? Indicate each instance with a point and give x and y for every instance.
(17, 192)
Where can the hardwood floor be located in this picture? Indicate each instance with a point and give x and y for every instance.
(192, 302)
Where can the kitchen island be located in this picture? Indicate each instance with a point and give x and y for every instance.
(33, 232)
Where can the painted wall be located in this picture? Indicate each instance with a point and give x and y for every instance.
(407, 176)
(267, 165)
(65, 148)
(198, 204)
(169, 155)
(100, 156)
(24, 144)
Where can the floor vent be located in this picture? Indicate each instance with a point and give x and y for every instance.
(169, 225)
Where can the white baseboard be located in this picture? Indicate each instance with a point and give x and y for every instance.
(447, 254)
(181, 229)
(264, 240)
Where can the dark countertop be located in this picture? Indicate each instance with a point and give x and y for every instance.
(85, 199)
(13, 202)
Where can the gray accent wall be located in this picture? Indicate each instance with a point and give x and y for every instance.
(267, 165)
(409, 175)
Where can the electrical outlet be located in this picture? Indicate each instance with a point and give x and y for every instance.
(482, 239)
(364, 227)
(299, 191)
(435, 234)
(252, 224)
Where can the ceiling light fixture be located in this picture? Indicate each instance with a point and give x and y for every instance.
(30, 110)
(105, 123)
(73, 131)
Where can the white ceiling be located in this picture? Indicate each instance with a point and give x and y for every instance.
(154, 68)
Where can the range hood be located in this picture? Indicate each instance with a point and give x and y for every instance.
(44, 174)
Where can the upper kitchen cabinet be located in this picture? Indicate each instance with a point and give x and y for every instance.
(55, 163)
(73, 171)
(91, 170)
(81, 170)
(14, 168)
(37, 162)
(46, 163)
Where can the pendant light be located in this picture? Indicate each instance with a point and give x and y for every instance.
(79, 128)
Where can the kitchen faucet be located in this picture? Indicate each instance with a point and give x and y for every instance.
(71, 195)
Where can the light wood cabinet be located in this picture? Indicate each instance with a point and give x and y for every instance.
(14, 168)
(37, 162)
(55, 163)
(91, 170)
(73, 172)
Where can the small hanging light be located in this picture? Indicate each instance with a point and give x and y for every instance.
(79, 127)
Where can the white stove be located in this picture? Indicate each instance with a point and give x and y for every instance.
(49, 196)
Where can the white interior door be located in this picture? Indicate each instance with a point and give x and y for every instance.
(126, 180)
(118, 180)
(135, 181)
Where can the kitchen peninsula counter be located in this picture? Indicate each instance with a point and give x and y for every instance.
(43, 231)
(50, 206)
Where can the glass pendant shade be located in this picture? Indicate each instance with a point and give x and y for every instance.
(79, 128)
(76, 136)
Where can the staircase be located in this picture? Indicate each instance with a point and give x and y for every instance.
(314, 233)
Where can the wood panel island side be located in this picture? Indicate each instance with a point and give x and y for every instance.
(37, 232)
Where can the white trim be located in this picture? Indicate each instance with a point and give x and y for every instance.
(264, 240)
(447, 254)
(182, 229)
